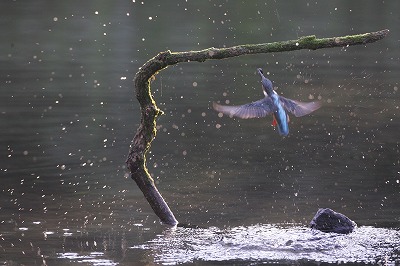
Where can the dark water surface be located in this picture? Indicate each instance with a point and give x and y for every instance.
(68, 114)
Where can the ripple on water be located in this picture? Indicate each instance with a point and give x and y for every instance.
(272, 243)
(92, 258)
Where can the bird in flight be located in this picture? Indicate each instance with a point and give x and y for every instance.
(271, 103)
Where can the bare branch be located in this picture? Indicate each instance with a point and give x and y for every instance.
(146, 132)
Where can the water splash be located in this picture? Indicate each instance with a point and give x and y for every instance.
(91, 258)
(275, 243)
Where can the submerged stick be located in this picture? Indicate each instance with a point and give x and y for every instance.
(141, 143)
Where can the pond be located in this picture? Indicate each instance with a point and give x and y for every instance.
(68, 114)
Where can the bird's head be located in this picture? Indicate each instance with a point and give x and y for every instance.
(267, 84)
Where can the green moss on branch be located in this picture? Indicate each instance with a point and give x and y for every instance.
(146, 132)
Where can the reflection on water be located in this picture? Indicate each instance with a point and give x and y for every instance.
(34, 244)
(92, 258)
(275, 243)
(262, 243)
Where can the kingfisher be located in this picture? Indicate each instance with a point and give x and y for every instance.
(271, 103)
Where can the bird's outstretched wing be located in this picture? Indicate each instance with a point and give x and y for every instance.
(255, 109)
(299, 108)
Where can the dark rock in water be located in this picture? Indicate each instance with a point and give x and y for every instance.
(329, 221)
